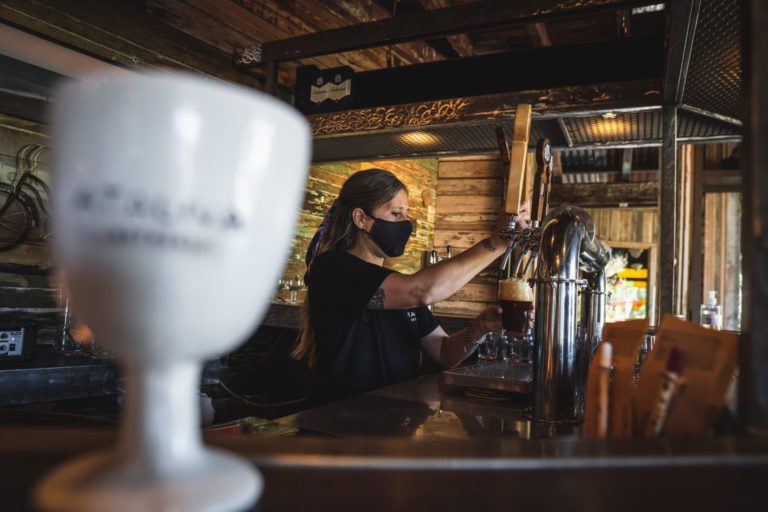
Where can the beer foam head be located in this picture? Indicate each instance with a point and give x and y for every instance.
(515, 289)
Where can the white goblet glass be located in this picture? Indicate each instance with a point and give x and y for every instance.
(175, 201)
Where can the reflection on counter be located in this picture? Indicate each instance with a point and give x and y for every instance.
(425, 409)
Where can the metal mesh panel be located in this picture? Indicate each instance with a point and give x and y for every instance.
(714, 72)
(608, 159)
(625, 127)
(692, 125)
(447, 139)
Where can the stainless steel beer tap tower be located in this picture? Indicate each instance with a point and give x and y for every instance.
(568, 261)
(563, 347)
(569, 266)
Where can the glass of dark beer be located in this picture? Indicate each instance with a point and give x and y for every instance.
(516, 301)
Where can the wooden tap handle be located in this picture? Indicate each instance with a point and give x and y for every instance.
(517, 154)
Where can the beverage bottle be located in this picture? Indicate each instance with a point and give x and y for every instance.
(711, 312)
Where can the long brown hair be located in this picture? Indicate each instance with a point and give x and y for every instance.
(366, 190)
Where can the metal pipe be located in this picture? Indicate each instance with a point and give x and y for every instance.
(593, 308)
(567, 242)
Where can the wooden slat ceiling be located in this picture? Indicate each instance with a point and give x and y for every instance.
(202, 36)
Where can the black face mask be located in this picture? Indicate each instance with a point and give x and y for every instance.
(390, 236)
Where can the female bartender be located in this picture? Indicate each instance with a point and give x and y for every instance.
(365, 325)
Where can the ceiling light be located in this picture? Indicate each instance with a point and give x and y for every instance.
(648, 8)
(419, 138)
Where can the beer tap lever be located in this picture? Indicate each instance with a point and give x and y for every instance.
(541, 181)
(516, 170)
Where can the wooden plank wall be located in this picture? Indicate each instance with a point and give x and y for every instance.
(323, 186)
(626, 225)
(722, 258)
(469, 191)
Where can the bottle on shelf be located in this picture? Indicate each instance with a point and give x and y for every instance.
(711, 312)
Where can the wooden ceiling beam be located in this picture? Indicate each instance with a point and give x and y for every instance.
(24, 107)
(461, 43)
(539, 34)
(623, 22)
(634, 58)
(547, 104)
(335, 14)
(420, 26)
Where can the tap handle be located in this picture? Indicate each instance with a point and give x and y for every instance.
(543, 159)
(501, 140)
(546, 183)
(517, 156)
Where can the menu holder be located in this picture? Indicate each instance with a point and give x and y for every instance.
(683, 384)
(708, 361)
(626, 339)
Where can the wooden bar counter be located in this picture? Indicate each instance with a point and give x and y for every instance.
(419, 446)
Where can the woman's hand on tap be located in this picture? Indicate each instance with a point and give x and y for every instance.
(522, 221)
(523, 216)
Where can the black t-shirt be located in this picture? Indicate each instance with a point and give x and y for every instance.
(360, 349)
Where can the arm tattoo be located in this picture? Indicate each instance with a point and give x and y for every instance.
(377, 301)
(486, 242)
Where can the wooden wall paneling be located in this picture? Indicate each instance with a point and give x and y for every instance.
(450, 222)
(471, 187)
(713, 242)
(685, 227)
(732, 290)
(696, 292)
(722, 255)
(469, 191)
(468, 204)
(470, 167)
(625, 225)
(605, 194)
(715, 154)
(458, 308)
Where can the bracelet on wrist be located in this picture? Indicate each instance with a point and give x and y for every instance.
(470, 339)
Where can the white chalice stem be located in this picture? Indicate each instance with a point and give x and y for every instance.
(161, 426)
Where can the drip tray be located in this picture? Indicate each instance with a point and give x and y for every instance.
(498, 375)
